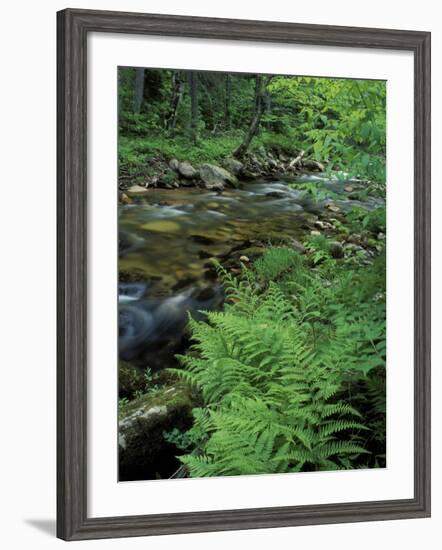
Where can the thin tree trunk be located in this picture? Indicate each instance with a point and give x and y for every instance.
(177, 96)
(267, 105)
(261, 83)
(193, 84)
(208, 114)
(227, 100)
(139, 90)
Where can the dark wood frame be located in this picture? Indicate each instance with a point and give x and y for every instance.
(73, 27)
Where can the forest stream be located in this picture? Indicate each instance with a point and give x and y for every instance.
(168, 239)
(251, 275)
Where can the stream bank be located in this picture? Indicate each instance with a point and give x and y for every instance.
(168, 238)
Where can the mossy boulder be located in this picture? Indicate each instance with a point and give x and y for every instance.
(186, 170)
(144, 453)
(216, 177)
(174, 164)
(234, 166)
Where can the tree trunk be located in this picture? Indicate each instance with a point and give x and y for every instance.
(139, 90)
(227, 100)
(177, 96)
(193, 85)
(261, 83)
(267, 107)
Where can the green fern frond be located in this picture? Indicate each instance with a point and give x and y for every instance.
(275, 369)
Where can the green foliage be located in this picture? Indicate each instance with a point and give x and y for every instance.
(283, 367)
(181, 440)
(123, 403)
(286, 142)
(315, 190)
(149, 385)
(340, 122)
(318, 246)
(374, 221)
(134, 154)
(275, 262)
(292, 372)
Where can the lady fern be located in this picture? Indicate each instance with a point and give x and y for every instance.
(276, 398)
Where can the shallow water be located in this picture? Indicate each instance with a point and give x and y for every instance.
(169, 235)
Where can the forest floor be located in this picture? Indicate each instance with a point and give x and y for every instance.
(163, 163)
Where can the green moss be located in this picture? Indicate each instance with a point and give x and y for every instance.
(130, 380)
(144, 453)
(176, 395)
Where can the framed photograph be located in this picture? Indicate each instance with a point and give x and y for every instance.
(243, 274)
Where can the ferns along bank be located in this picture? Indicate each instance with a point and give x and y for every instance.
(252, 270)
(292, 372)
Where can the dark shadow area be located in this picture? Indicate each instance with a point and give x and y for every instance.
(47, 526)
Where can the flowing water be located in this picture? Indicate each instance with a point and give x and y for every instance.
(170, 234)
(168, 237)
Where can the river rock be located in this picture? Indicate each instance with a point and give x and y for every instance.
(125, 199)
(356, 238)
(249, 175)
(336, 249)
(202, 239)
(244, 255)
(215, 176)
(321, 224)
(351, 249)
(137, 190)
(129, 242)
(174, 164)
(313, 165)
(234, 166)
(296, 245)
(186, 170)
(218, 186)
(143, 451)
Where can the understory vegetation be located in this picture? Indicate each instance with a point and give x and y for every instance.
(199, 117)
(292, 372)
(252, 274)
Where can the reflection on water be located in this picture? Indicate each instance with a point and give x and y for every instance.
(166, 242)
(169, 235)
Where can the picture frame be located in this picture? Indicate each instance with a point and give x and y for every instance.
(73, 27)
